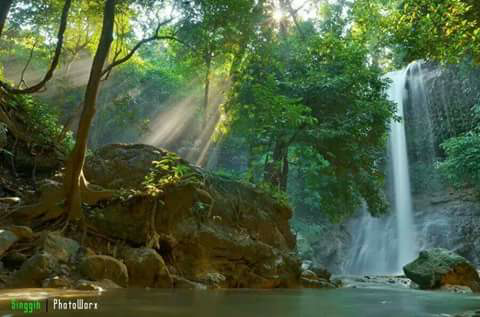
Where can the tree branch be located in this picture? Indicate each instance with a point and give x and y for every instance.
(55, 60)
(27, 64)
(293, 13)
(154, 37)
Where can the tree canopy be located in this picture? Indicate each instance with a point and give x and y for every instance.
(297, 100)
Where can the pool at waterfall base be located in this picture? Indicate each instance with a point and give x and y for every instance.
(371, 301)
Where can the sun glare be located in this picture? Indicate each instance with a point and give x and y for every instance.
(278, 14)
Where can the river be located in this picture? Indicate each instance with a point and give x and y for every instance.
(382, 301)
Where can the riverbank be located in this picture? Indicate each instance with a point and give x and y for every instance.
(168, 224)
(361, 301)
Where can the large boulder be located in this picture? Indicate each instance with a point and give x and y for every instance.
(64, 249)
(146, 268)
(100, 267)
(213, 230)
(438, 267)
(120, 165)
(34, 270)
(7, 239)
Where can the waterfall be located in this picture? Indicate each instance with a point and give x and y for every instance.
(406, 245)
(384, 245)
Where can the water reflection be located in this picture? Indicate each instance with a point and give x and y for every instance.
(358, 302)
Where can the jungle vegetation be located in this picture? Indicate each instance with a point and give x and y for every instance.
(288, 95)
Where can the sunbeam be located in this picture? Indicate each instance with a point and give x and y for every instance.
(174, 127)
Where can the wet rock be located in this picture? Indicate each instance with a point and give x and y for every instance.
(22, 232)
(456, 289)
(469, 314)
(180, 282)
(316, 283)
(310, 279)
(337, 282)
(306, 264)
(99, 267)
(57, 282)
(9, 200)
(64, 249)
(99, 286)
(321, 272)
(33, 271)
(146, 268)
(309, 274)
(212, 279)
(7, 239)
(437, 267)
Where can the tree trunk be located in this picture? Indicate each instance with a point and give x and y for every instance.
(251, 161)
(55, 59)
(284, 176)
(276, 171)
(4, 9)
(74, 179)
(207, 89)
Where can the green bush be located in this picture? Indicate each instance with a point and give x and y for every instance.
(41, 122)
(462, 165)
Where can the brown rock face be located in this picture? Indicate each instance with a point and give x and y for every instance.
(462, 274)
(437, 267)
(99, 267)
(217, 232)
(146, 268)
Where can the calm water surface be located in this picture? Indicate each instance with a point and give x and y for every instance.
(358, 302)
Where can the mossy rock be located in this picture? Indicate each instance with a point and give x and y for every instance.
(437, 267)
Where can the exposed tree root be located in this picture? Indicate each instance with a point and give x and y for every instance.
(51, 206)
(153, 238)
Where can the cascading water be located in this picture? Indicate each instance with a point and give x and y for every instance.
(385, 245)
(406, 240)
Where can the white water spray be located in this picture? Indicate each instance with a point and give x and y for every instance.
(407, 246)
(384, 245)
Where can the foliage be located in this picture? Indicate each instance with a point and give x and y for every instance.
(444, 30)
(170, 170)
(316, 95)
(462, 164)
(307, 101)
(41, 121)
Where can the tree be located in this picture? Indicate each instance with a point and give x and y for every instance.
(75, 182)
(445, 30)
(55, 59)
(76, 187)
(215, 31)
(4, 9)
(308, 101)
